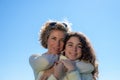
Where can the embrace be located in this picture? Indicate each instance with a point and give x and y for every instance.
(69, 56)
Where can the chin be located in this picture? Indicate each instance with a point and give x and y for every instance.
(72, 59)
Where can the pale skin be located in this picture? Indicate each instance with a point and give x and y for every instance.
(55, 45)
(72, 52)
(73, 48)
(55, 41)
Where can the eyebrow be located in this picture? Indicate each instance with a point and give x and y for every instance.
(70, 42)
(52, 36)
(73, 43)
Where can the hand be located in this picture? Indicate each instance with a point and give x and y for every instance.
(47, 73)
(69, 65)
(59, 70)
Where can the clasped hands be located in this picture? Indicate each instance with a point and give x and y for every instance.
(59, 69)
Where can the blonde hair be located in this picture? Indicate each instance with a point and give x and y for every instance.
(48, 27)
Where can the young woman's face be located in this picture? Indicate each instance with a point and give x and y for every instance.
(55, 41)
(73, 48)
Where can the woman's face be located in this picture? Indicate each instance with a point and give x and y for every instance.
(73, 48)
(55, 41)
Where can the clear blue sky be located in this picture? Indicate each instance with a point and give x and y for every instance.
(21, 20)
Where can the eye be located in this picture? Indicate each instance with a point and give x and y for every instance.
(70, 45)
(79, 46)
(62, 40)
(53, 38)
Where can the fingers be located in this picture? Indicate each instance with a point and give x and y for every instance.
(70, 65)
(59, 70)
(47, 73)
(67, 62)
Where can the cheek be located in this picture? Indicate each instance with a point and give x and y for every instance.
(49, 42)
(68, 52)
(79, 53)
(62, 44)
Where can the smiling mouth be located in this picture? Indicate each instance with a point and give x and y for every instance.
(73, 54)
(58, 49)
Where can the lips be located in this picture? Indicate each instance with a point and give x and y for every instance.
(57, 49)
(73, 54)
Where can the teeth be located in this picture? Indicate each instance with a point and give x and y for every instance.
(73, 54)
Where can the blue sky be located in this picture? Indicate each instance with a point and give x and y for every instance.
(21, 20)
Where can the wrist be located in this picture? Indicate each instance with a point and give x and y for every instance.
(56, 76)
(71, 70)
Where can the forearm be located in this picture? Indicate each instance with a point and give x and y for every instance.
(39, 62)
(73, 75)
(52, 77)
(84, 67)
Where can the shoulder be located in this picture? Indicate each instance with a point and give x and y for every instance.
(84, 67)
(83, 63)
(34, 56)
(63, 57)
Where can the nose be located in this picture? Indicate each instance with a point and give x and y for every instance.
(57, 43)
(75, 48)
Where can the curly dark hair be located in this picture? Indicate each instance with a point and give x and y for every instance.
(88, 54)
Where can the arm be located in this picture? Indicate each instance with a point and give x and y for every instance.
(59, 73)
(54, 73)
(52, 77)
(42, 62)
(74, 75)
(84, 67)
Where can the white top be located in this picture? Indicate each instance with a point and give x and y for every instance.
(39, 63)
